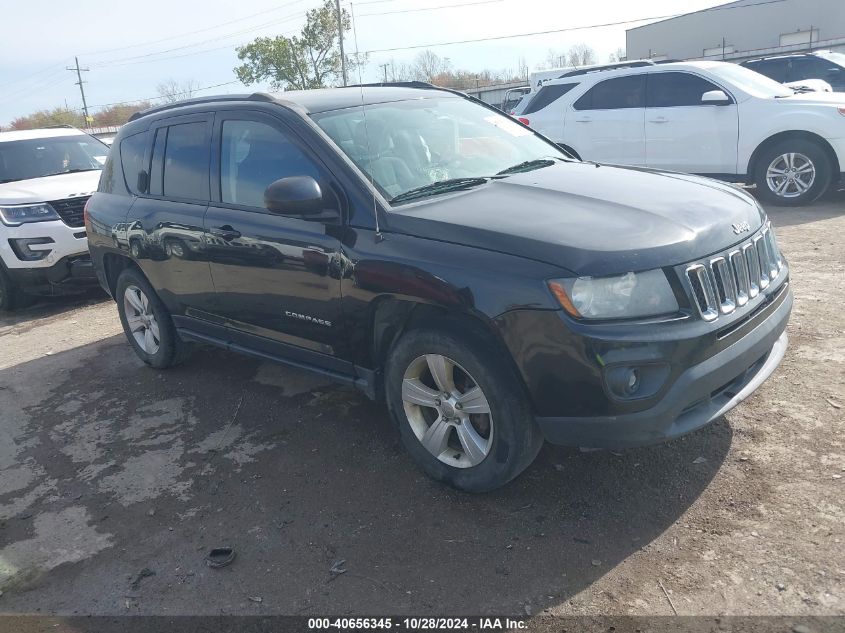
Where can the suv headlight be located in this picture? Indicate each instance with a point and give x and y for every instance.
(20, 214)
(619, 297)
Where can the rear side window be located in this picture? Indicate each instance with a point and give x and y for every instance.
(614, 94)
(186, 157)
(132, 150)
(666, 90)
(252, 156)
(547, 95)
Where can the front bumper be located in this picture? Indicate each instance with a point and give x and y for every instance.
(700, 394)
(69, 275)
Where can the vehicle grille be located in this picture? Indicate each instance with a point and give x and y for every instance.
(70, 210)
(730, 280)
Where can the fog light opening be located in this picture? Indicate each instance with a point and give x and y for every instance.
(633, 382)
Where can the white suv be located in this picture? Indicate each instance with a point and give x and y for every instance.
(711, 118)
(46, 177)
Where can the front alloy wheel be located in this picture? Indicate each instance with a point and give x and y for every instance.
(790, 175)
(447, 411)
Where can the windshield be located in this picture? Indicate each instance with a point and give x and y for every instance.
(752, 82)
(836, 58)
(35, 158)
(407, 145)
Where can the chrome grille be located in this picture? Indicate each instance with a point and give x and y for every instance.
(70, 210)
(732, 279)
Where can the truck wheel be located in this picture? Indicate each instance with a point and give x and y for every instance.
(461, 412)
(147, 322)
(792, 173)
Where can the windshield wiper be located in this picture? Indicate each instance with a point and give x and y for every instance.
(73, 171)
(528, 165)
(441, 186)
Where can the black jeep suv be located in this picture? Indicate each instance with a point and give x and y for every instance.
(433, 252)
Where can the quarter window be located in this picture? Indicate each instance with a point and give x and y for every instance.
(254, 155)
(667, 90)
(186, 157)
(132, 150)
(614, 94)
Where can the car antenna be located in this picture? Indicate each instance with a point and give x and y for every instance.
(379, 236)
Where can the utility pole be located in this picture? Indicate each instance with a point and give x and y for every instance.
(340, 35)
(384, 68)
(79, 83)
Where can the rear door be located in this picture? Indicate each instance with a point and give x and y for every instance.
(606, 124)
(165, 225)
(684, 134)
(277, 278)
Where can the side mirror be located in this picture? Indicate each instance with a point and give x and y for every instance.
(715, 97)
(295, 195)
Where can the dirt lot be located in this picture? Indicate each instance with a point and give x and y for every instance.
(108, 468)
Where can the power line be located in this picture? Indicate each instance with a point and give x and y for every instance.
(444, 6)
(564, 30)
(114, 103)
(188, 33)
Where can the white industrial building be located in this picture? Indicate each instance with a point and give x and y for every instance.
(743, 29)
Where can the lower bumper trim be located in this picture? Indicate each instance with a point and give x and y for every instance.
(701, 395)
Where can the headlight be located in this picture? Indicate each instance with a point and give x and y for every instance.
(620, 297)
(17, 215)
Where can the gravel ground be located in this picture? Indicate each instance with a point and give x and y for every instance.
(115, 479)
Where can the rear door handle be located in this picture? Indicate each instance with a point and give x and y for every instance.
(584, 119)
(225, 232)
(660, 119)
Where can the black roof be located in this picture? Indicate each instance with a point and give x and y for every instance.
(321, 100)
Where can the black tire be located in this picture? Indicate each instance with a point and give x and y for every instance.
(11, 297)
(171, 349)
(813, 152)
(516, 440)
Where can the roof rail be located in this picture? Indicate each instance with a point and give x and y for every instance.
(422, 85)
(255, 96)
(60, 125)
(637, 63)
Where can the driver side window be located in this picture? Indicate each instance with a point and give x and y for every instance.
(252, 156)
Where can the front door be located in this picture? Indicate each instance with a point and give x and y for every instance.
(605, 124)
(684, 134)
(277, 277)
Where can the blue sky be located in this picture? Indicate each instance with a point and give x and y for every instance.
(131, 47)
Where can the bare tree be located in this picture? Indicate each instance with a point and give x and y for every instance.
(428, 65)
(581, 55)
(617, 56)
(172, 90)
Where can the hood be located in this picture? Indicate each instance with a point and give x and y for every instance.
(589, 219)
(57, 187)
(815, 98)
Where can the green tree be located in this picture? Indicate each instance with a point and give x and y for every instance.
(43, 118)
(309, 60)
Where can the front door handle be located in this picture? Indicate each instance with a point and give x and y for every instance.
(225, 232)
(660, 119)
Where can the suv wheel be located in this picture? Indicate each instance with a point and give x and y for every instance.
(792, 173)
(461, 411)
(147, 322)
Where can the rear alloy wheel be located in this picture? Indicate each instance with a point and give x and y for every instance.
(462, 411)
(147, 322)
(793, 173)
